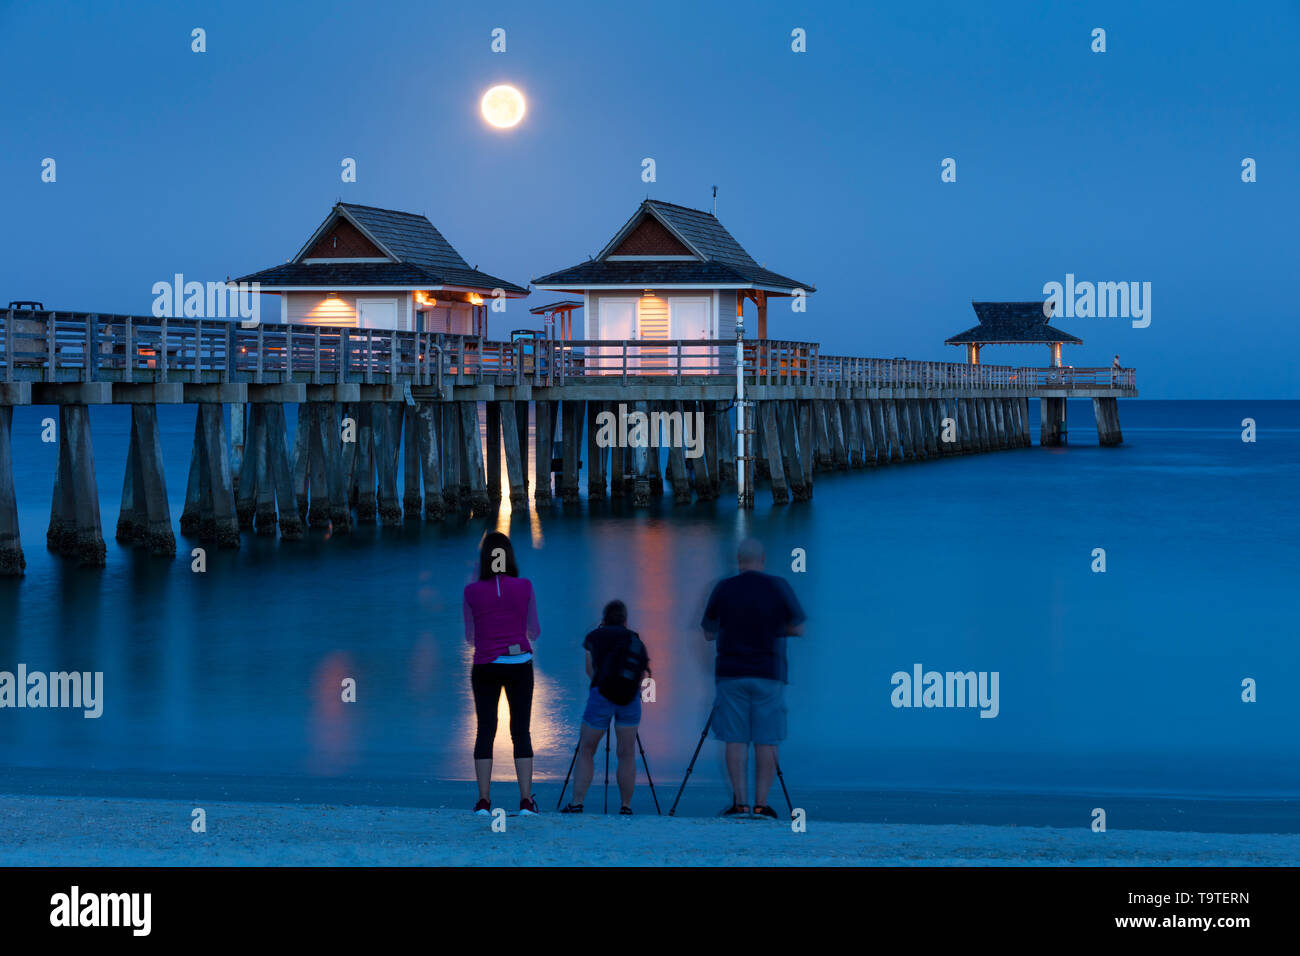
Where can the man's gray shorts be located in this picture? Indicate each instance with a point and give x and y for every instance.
(749, 709)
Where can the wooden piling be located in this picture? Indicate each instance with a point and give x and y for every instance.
(894, 430)
(243, 461)
(823, 454)
(218, 522)
(677, 460)
(264, 520)
(146, 511)
(868, 432)
(772, 442)
(1106, 412)
(516, 470)
(75, 529)
(364, 441)
(387, 431)
(427, 418)
(839, 436)
(330, 428)
(190, 512)
(570, 437)
(492, 445)
(281, 473)
(1051, 431)
(301, 460)
(712, 460)
(12, 561)
(522, 429)
(412, 502)
(918, 428)
(790, 459)
(543, 439)
(452, 491)
(595, 453)
(930, 415)
(472, 451)
(804, 413)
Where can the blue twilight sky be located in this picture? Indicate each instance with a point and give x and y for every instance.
(1123, 165)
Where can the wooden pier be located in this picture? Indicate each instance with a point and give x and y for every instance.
(366, 396)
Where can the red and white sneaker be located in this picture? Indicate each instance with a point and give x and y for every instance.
(528, 807)
(483, 808)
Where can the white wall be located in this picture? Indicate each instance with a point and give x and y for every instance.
(652, 312)
(318, 308)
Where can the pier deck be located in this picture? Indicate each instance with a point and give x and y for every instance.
(365, 395)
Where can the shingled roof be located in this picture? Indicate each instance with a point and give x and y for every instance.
(714, 258)
(417, 256)
(1011, 323)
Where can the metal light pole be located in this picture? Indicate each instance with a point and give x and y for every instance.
(744, 495)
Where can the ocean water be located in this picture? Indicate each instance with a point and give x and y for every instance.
(1127, 682)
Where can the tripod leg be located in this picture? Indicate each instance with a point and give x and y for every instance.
(568, 775)
(780, 776)
(609, 732)
(704, 733)
(646, 764)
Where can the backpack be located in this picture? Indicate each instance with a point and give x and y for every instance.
(619, 680)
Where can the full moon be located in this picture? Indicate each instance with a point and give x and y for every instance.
(503, 106)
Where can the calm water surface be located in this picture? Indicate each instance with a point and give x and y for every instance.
(1127, 681)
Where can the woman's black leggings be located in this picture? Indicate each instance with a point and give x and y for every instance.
(487, 682)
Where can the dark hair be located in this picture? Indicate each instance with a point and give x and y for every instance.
(615, 614)
(493, 542)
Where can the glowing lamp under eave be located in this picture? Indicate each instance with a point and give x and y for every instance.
(503, 106)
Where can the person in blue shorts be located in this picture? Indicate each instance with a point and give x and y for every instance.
(750, 615)
(616, 663)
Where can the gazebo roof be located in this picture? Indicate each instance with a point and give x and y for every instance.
(564, 305)
(1012, 323)
(667, 246)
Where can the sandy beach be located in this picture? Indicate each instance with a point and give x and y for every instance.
(77, 831)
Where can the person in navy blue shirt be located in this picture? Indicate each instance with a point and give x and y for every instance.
(749, 616)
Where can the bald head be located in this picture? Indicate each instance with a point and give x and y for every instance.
(749, 555)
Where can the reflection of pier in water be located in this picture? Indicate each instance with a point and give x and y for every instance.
(364, 396)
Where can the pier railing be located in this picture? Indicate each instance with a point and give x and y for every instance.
(77, 347)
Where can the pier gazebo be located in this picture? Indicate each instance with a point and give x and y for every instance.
(1012, 323)
(376, 268)
(670, 273)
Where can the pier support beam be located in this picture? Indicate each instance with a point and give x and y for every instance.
(1051, 426)
(217, 519)
(516, 472)
(890, 410)
(453, 490)
(595, 454)
(412, 502)
(772, 442)
(492, 447)
(711, 486)
(12, 562)
(427, 417)
(75, 529)
(677, 459)
(472, 449)
(387, 423)
(145, 517)
(804, 415)
(362, 444)
(1106, 411)
(543, 440)
(790, 459)
(823, 458)
(280, 473)
(570, 439)
(839, 439)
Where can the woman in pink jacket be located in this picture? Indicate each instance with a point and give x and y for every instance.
(501, 624)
